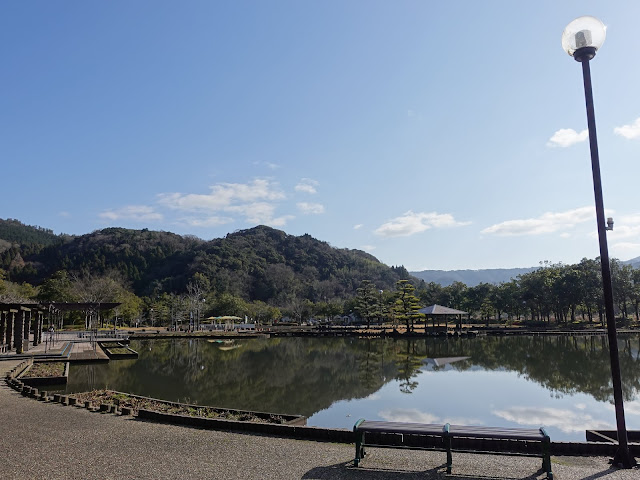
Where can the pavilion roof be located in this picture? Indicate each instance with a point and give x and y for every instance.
(440, 310)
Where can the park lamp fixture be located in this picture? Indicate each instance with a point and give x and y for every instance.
(581, 39)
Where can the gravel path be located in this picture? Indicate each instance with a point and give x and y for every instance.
(51, 441)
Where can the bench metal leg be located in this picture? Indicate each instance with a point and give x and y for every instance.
(447, 446)
(546, 458)
(360, 453)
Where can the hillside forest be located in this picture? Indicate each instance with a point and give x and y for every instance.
(161, 278)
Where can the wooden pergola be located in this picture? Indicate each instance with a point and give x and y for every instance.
(16, 320)
(438, 311)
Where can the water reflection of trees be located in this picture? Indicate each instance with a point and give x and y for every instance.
(306, 375)
(564, 365)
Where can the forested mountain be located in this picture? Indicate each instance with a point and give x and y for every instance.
(13, 231)
(260, 263)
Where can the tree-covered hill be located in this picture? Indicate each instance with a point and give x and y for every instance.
(260, 263)
(15, 232)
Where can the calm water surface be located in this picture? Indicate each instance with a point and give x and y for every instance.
(562, 383)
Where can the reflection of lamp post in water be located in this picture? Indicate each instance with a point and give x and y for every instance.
(581, 39)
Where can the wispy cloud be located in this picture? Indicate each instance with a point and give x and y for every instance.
(368, 248)
(546, 223)
(566, 420)
(307, 185)
(132, 212)
(565, 137)
(269, 165)
(358, 226)
(310, 208)
(411, 223)
(629, 131)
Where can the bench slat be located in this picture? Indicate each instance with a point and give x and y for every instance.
(495, 432)
(400, 427)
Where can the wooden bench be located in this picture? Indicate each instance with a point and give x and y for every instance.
(451, 438)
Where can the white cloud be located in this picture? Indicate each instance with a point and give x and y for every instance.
(64, 214)
(132, 212)
(222, 196)
(566, 420)
(565, 137)
(629, 131)
(358, 226)
(307, 185)
(546, 223)
(256, 201)
(368, 248)
(411, 223)
(310, 208)
(629, 248)
(207, 221)
(261, 213)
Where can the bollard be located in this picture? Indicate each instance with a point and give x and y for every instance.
(34, 393)
(104, 407)
(73, 401)
(126, 411)
(43, 396)
(64, 400)
(26, 390)
(56, 397)
(87, 404)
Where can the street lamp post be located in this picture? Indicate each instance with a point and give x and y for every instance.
(581, 39)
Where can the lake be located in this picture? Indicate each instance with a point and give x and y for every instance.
(563, 383)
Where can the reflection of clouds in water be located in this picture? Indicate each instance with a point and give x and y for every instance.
(630, 407)
(463, 421)
(565, 420)
(413, 415)
(407, 415)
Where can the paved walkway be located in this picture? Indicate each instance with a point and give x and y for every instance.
(82, 349)
(51, 441)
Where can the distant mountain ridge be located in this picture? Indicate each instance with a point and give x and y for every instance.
(471, 278)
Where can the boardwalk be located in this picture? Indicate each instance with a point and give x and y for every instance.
(51, 441)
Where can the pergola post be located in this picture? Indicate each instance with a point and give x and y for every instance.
(3, 327)
(27, 326)
(10, 316)
(37, 329)
(18, 331)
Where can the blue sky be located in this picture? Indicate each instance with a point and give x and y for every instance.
(435, 135)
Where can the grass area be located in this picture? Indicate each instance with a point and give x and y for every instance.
(47, 369)
(119, 351)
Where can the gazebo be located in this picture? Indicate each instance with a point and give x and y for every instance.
(434, 311)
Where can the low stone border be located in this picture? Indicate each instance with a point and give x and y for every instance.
(39, 381)
(108, 350)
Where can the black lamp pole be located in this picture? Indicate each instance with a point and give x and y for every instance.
(622, 456)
